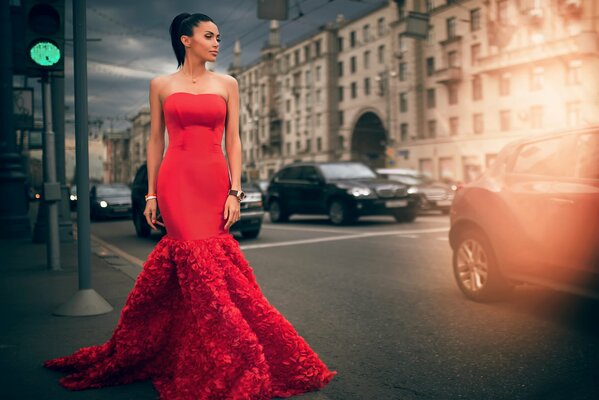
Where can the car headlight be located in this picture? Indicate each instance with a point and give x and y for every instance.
(412, 190)
(252, 197)
(73, 197)
(359, 191)
(103, 204)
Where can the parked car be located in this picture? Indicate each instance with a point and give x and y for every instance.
(342, 190)
(110, 200)
(251, 208)
(431, 195)
(532, 217)
(73, 197)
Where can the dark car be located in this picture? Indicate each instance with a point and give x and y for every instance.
(532, 217)
(342, 190)
(110, 200)
(431, 195)
(73, 197)
(251, 208)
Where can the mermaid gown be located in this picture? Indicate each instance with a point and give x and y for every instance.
(196, 322)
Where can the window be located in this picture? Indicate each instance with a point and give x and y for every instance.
(453, 126)
(340, 117)
(573, 113)
(403, 46)
(536, 117)
(308, 144)
(505, 84)
(430, 98)
(381, 26)
(366, 59)
(475, 54)
(403, 67)
(365, 33)
(430, 66)
(540, 158)
(287, 105)
(318, 119)
(573, 74)
(429, 5)
(354, 90)
(452, 91)
(403, 102)
(287, 126)
(451, 32)
(478, 123)
(352, 39)
(288, 148)
(367, 86)
(318, 73)
(289, 173)
(352, 64)
(318, 96)
(318, 144)
(502, 12)
(308, 78)
(430, 35)
(475, 19)
(296, 57)
(537, 78)
(453, 59)
(477, 88)
(403, 129)
(340, 68)
(307, 52)
(432, 128)
(381, 54)
(340, 92)
(317, 48)
(340, 44)
(587, 156)
(505, 120)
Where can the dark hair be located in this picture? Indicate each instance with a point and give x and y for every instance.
(183, 25)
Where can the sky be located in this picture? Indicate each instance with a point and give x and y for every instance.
(134, 45)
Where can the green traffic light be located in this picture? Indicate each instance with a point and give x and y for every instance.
(45, 53)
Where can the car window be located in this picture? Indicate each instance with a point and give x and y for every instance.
(112, 190)
(289, 173)
(308, 171)
(545, 157)
(346, 171)
(141, 175)
(587, 156)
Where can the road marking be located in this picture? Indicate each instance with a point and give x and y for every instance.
(443, 238)
(121, 253)
(342, 237)
(410, 236)
(290, 228)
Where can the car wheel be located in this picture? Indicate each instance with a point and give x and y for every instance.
(250, 234)
(476, 269)
(405, 215)
(276, 212)
(142, 229)
(340, 214)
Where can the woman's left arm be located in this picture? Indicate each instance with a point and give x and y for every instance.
(232, 139)
(232, 211)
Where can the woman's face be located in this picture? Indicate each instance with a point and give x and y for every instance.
(204, 43)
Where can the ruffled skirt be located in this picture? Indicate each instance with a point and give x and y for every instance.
(197, 324)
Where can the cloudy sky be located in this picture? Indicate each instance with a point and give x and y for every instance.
(134, 44)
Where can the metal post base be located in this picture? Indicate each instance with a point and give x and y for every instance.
(84, 302)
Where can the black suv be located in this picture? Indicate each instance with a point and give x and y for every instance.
(345, 190)
(251, 208)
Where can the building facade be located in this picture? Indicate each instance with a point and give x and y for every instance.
(117, 168)
(489, 72)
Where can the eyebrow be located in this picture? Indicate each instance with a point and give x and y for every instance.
(212, 33)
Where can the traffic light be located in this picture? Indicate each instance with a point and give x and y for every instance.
(42, 40)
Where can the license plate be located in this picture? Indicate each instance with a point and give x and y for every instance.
(396, 203)
(444, 203)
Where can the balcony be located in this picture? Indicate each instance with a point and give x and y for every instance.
(584, 43)
(448, 75)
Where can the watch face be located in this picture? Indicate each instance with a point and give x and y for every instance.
(241, 195)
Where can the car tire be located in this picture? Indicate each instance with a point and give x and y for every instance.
(142, 229)
(250, 234)
(476, 270)
(405, 215)
(277, 212)
(340, 213)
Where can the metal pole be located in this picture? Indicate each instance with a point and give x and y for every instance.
(86, 301)
(51, 187)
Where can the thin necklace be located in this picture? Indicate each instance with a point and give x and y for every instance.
(193, 80)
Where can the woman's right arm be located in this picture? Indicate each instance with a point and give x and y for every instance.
(155, 145)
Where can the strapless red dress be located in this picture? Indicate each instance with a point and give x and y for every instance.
(196, 322)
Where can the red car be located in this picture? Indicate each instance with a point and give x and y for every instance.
(532, 217)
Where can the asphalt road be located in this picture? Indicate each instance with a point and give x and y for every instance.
(377, 301)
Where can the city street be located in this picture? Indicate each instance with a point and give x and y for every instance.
(377, 301)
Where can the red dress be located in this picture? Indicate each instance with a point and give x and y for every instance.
(196, 322)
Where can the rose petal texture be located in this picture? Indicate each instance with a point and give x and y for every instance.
(197, 324)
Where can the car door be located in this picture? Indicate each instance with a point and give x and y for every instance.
(577, 197)
(285, 188)
(310, 190)
(528, 195)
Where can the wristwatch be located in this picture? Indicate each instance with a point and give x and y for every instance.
(240, 194)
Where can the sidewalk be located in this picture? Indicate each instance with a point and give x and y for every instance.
(30, 333)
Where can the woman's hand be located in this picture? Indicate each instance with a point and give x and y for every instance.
(150, 213)
(231, 211)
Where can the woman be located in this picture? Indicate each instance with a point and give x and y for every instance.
(196, 321)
